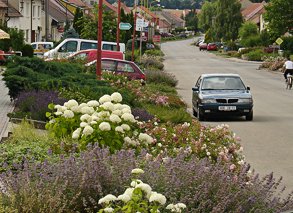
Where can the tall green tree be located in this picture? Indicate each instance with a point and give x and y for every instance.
(77, 16)
(227, 20)
(248, 29)
(205, 17)
(279, 15)
(191, 20)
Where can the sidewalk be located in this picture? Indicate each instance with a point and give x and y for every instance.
(6, 106)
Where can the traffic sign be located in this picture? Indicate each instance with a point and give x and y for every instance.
(140, 22)
(279, 41)
(156, 38)
(124, 26)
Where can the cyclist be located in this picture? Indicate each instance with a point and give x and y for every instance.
(288, 65)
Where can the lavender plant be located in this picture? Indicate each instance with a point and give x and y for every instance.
(78, 183)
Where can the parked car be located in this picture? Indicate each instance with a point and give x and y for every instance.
(221, 94)
(202, 46)
(123, 67)
(182, 35)
(91, 54)
(212, 47)
(198, 41)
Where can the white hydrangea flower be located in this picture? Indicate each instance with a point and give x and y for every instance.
(93, 103)
(76, 133)
(135, 182)
(117, 112)
(129, 192)
(157, 197)
(87, 110)
(75, 108)
(125, 106)
(105, 98)
(116, 97)
(119, 129)
(105, 126)
(93, 122)
(83, 124)
(52, 121)
(108, 198)
(108, 106)
(86, 118)
(58, 113)
(145, 187)
(104, 114)
(126, 110)
(57, 106)
(126, 127)
(81, 106)
(88, 130)
(128, 117)
(129, 141)
(145, 138)
(181, 205)
(62, 108)
(71, 103)
(137, 171)
(170, 206)
(68, 114)
(108, 209)
(124, 197)
(115, 118)
(118, 106)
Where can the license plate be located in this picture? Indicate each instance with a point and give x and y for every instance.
(227, 108)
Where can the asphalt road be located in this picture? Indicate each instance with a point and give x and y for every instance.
(268, 139)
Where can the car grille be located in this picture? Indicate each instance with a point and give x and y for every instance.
(224, 101)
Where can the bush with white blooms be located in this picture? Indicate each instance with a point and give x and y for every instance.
(139, 197)
(106, 122)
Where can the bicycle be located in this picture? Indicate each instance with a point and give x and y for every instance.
(289, 81)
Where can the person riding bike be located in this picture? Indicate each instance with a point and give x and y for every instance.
(288, 65)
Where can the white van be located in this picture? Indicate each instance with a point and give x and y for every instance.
(72, 45)
(41, 47)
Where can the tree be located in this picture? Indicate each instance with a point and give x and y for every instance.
(279, 15)
(77, 16)
(247, 29)
(192, 20)
(228, 20)
(205, 18)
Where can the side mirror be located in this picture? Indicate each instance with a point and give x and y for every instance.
(248, 88)
(195, 89)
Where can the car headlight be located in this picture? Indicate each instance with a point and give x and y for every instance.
(245, 100)
(208, 101)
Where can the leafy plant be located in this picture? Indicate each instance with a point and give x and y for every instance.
(160, 77)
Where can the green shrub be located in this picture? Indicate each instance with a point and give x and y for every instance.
(161, 77)
(26, 143)
(233, 53)
(287, 44)
(151, 62)
(251, 41)
(154, 52)
(161, 87)
(255, 55)
(169, 114)
(27, 51)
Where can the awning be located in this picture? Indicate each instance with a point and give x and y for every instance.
(4, 35)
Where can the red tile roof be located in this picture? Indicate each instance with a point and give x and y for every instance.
(251, 10)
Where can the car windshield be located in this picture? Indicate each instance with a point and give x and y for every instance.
(222, 83)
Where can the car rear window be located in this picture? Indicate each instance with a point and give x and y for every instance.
(108, 65)
(124, 67)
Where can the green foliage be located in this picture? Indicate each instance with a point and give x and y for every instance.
(247, 30)
(206, 15)
(265, 38)
(16, 40)
(160, 77)
(287, 44)
(77, 16)
(154, 52)
(255, 55)
(27, 51)
(192, 20)
(251, 41)
(25, 143)
(168, 114)
(151, 62)
(279, 16)
(228, 20)
(70, 33)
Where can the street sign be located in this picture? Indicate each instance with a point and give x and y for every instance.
(279, 41)
(140, 22)
(124, 26)
(156, 38)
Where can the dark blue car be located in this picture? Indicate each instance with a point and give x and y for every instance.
(222, 94)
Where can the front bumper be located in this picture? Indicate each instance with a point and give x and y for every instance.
(241, 109)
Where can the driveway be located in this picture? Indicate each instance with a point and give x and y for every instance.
(268, 140)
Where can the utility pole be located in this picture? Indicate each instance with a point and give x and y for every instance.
(99, 40)
(32, 21)
(134, 29)
(118, 23)
(47, 19)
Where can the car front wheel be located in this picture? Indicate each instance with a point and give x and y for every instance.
(249, 117)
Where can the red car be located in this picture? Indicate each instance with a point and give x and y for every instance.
(91, 54)
(128, 68)
(202, 46)
(212, 47)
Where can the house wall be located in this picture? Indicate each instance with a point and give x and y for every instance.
(30, 23)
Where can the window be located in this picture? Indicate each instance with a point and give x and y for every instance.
(87, 45)
(47, 46)
(81, 56)
(108, 65)
(34, 46)
(109, 47)
(124, 67)
(70, 46)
